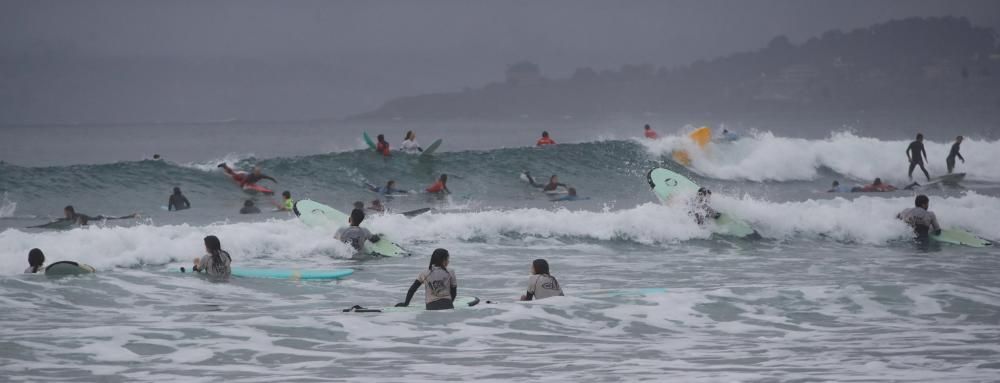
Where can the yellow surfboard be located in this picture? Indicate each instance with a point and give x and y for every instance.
(701, 136)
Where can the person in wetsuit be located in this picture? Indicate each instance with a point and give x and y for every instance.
(249, 208)
(703, 208)
(922, 220)
(541, 284)
(74, 218)
(954, 153)
(441, 186)
(383, 146)
(354, 234)
(916, 154)
(178, 201)
(650, 133)
(388, 189)
(552, 185)
(545, 140)
(442, 285)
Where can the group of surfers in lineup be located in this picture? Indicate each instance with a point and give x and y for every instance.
(916, 155)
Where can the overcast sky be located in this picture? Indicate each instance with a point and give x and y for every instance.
(392, 48)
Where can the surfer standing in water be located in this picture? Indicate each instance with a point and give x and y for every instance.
(178, 201)
(916, 154)
(382, 146)
(410, 144)
(441, 186)
(545, 140)
(922, 220)
(541, 284)
(650, 133)
(442, 285)
(950, 161)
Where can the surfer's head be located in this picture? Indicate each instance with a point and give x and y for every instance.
(922, 201)
(554, 179)
(357, 216)
(545, 134)
(177, 190)
(69, 211)
(390, 185)
(959, 139)
(572, 191)
(836, 183)
(36, 259)
(439, 258)
(381, 138)
(212, 244)
(540, 266)
(409, 135)
(920, 136)
(286, 194)
(247, 203)
(647, 127)
(443, 178)
(377, 203)
(359, 205)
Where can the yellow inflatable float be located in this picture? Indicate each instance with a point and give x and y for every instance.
(701, 136)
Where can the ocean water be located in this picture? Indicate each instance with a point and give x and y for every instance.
(834, 290)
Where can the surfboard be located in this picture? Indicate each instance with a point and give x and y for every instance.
(667, 185)
(368, 140)
(69, 268)
(949, 179)
(414, 213)
(62, 224)
(559, 191)
(430, 149)
(294, 274)
(960, 237)
(459, 303)
(317, 215)
(701, 137)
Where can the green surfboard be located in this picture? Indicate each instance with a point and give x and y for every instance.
(317, 215)
(369, 141)
(430, 149)
(667, 184)
(960, 237)
(459, 303)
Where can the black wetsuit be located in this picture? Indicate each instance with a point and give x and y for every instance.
(178, 202)
(249, 210)
(951, 156)
(917, 154)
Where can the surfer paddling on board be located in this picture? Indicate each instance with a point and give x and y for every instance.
(702, 206)
(916, 154)
(922, 220)
(442, 285)
(551, 186)
(650, 133)
(354, 234)
(545, 140)
(570, 196)
(245, 179)
(950, 161)
(410, 144)
(439, 187)
(74, 218)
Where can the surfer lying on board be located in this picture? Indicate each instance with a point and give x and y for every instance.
(74, 218)
(552, 185)
(441, 186)
(354, 234)
(922, 220)
(383, 146)
(541, 284)
(388, 189)
(702, 208)
(216, 262)
(442, 285)
(246, 179)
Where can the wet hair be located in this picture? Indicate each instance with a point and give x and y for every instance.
(359, 205)
(552, 178)
(920, 136)
(376, 202)
(438, 257)
(177, 190)
(36, 259)
(921, 200)
(959, 138)
(647, 126)
(286, 194)
(389, 184)
(408, 134)
(70, 209)
(878, 181)
(540, 266)
(357, 216)
(545, 133)
(443, 178)
(381, 137)
(247, 203)
(214, 247)
(836, 183)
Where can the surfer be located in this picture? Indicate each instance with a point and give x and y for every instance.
(354, 234)
(249, 208)
(216, 262)
(729, 136)
(650, 133)
(36, 259)
(916, 154)
(541, 284)
(702, 206)
(72, 217)
(441, 186)
(545, 140)
(178, 201)
(551, 186)
(442, 285)
(377, 206)
(877, 186)
(410, 144)
(287, 203)
(954, 153)
(570, 196)
(388, 189)
(923, 221)
(245, 179)
(382, 146)
(836, 188)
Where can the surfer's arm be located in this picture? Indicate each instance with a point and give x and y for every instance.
(960, 156)
(409, 294)
(454, 292)
(187, 204)
(268, 178)
(934, 224)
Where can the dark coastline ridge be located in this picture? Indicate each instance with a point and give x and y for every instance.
(934, 66)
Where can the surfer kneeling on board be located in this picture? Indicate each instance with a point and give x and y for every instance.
(923, 221)
(442, 285)
(178, 201)
(354, 234)
(702, 207)
(541, 284)
(545, 140)
(441, 186)
(216, 262)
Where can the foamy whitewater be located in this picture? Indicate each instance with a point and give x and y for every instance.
(834, 290)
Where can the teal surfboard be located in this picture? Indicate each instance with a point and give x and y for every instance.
(317, 215)
(428, 151)
(960, 237)
(294, 274)
(459, 303)
(369, 141)
(667, 184)
(69, 268)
